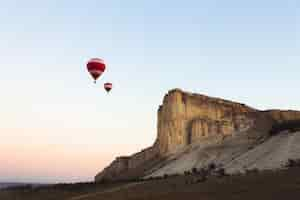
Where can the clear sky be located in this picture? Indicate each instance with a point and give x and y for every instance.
(56, 125)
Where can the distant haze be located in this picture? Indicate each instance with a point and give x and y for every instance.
(56, 125)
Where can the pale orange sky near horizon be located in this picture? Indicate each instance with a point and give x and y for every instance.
(42, 156)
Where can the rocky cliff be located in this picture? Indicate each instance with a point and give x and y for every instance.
(130, 167)
(185, 119)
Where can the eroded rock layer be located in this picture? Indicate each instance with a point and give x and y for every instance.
(185, 117)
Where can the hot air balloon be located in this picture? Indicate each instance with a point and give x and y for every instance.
(107, 86)
(96, 67)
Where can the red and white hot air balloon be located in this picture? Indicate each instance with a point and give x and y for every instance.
(107, 86)
(96, 67)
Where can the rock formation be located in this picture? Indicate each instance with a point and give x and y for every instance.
(128, 167)
(186, 118)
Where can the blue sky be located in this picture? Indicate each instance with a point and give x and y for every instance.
(246, 51)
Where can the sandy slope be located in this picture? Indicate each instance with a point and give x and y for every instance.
(272, 154)
(235, 154)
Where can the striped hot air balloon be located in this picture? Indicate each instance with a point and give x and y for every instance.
(107, 86)
(96, 67)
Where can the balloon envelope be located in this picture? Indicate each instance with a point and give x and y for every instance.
(107, 86)
(96, 67)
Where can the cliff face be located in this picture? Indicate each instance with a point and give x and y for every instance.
(185, 118)
(282, 116)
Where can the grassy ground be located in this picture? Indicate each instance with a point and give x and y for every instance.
(284, 184)
(55, 192)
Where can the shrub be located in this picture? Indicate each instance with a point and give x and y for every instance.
(165, 176)
(211, 166)
(194, 170)
(292, 126)
(186, 173)
(203, 172)
(293, 163)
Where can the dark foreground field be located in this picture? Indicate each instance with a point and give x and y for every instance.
(284, 184)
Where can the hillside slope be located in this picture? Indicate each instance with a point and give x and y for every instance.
(235, 156)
